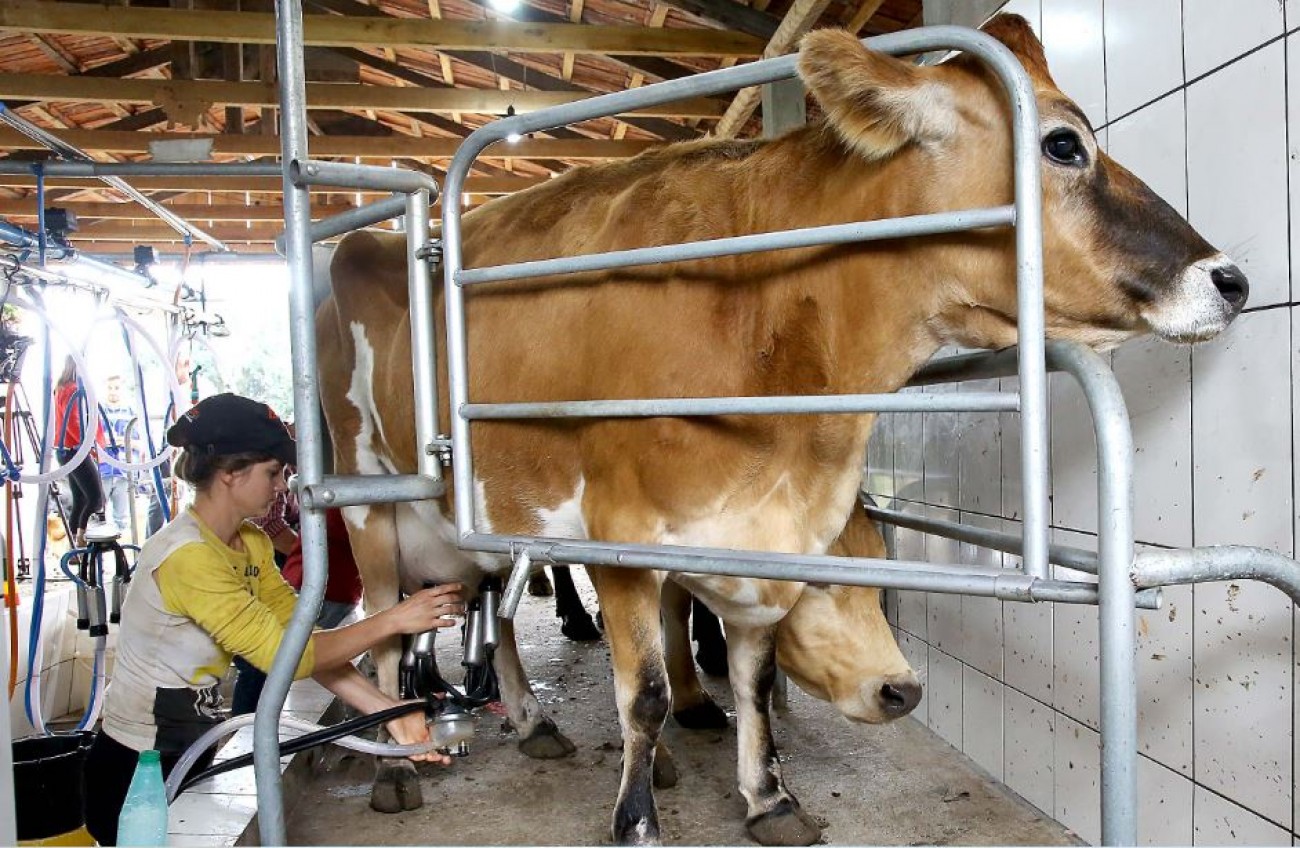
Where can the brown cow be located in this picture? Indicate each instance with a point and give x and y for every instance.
(896, 139)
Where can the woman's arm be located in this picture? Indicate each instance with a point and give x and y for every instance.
(425, 610)
(358, 692)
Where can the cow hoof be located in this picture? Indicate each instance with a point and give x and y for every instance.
(539, 585)
(665, 770)
(580, 628)
(547, 743)
(786, 824)
(397, 788)
(644, 831)
(705, 715)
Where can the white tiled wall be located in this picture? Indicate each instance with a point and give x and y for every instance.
(1201, 99)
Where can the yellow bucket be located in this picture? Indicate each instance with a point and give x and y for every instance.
(80, 836)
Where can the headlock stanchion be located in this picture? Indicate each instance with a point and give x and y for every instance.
(1126, 583)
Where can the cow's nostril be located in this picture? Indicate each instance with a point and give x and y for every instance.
(899, 699)
(1232, 285)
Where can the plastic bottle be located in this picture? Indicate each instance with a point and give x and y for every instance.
(143, 820)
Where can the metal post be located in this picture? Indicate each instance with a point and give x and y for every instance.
(306, 394)
(8, 823)
(424, 352)
(1117, 619)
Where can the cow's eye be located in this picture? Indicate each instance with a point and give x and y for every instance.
(1064, 147)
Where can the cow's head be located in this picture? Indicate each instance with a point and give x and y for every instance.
(837, 646)
(1118, 260)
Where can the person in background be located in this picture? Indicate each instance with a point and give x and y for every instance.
(117, 490)
(206, 588)
(69, 414)
(342, 594)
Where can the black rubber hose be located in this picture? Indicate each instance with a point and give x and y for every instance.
(308, 740)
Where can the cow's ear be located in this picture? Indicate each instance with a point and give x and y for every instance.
(875, 102)
(1016, 33)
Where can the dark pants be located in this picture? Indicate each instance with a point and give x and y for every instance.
(87, 493)
(110, 765)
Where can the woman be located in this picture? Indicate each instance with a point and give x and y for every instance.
(69, 414)
(206, 588)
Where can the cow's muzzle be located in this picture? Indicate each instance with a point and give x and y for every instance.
(1232, 285)
(1206, 297)
(898, 695)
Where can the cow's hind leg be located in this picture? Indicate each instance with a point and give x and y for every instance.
(576, 623)
(774, 815)
(538, 736)
(692, 706)
(373, 533)
(630, 601)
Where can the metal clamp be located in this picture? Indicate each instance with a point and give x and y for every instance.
(431, 252)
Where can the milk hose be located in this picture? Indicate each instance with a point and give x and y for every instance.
(316, 735)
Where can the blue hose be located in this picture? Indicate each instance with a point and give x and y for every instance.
(148, 428)
(42, 507)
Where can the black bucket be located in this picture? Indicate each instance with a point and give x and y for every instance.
(47, 783)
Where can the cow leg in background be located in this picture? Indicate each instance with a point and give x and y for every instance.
(373, 533)
(693, 708)
(774, 816)
(706, 632)
(538, 735)
(576, 623)
(629, 599)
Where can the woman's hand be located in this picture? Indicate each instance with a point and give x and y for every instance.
(428, 609)
(411, 729)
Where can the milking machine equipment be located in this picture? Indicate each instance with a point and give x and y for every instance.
(452, 721)
(449, 707)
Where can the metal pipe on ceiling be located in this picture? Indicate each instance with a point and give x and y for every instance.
(68, 151)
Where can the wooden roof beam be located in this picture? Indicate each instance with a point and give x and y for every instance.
(499, 65)
(801, 17)
(474, 186)
(732, 15)
(185, 96)
(27, 16)
(654, 66)
(367, 147)
(86, 211)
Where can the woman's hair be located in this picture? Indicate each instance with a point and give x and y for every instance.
(198, 468)
(69, 371)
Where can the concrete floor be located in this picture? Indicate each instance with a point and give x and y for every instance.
(890, 785)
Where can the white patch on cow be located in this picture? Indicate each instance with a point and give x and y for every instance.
(427, 551)
(778, 520)
(484, 523)
(356, 516)
(362, 396)
(1194, 311)
(566, 520)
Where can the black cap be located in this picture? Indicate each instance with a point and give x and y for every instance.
(228, 424)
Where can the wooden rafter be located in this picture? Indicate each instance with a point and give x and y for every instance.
(23, 209)
(26, 16)
(255, 185)
(863, 14)
(46, 87)
(798, 20)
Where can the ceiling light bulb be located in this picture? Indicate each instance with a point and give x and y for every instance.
(504, 6)
(513, 137)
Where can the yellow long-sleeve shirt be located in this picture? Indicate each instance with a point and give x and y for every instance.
(193, 603)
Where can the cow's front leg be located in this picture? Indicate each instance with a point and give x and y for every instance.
(774, 816)
(538, 735)
(373, 534)
(630, 601)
